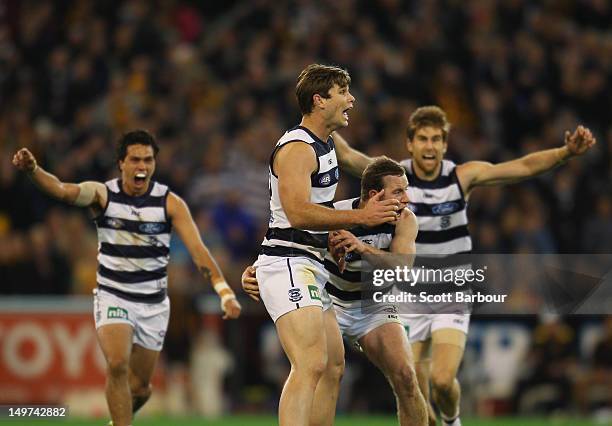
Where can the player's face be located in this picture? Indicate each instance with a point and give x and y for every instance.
(137, 168)
(396, 188)
(336, 108)
(427, 148)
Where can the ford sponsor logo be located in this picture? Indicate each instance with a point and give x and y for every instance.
(445, 208)
(151, 228)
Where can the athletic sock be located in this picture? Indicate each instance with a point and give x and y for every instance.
(456, 421)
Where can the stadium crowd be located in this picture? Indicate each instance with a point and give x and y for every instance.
(214, 81)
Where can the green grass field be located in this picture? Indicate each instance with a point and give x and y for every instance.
(271, 421)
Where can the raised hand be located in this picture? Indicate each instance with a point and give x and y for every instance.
(580, 141)
(24, 160)
(249, 283)
(378, 211)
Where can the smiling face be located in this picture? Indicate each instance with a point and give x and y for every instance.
(137, 168)
(336, 107)
(427, 149)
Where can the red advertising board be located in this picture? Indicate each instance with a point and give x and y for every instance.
(47, 351)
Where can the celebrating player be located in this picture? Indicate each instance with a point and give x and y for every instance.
(134, 216)
(378, 331)
(433, 183)
(303, 179)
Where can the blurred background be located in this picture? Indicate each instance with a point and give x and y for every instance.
(214, 81)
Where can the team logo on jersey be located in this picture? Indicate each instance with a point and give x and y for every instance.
(114, 223)
(337, 172)
(445, 222)
(116, 312)
(295, 295)
(313, 292)
(325, 179)
(367, 241)
(151, 228)
(445, 208)
(392, 309)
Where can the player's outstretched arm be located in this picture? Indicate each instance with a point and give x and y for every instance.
(478, 173)
(349, 159)
(187, 230)
(84, 194)
(293, 164)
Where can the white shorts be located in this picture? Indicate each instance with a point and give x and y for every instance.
(291, 283)
(421, 326)
(149, 320)
(355, 322)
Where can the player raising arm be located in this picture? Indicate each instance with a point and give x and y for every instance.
(134, 217)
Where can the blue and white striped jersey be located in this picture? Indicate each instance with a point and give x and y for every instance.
(282, 240)
(134, 241)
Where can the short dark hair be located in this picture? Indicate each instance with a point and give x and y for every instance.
(372, 177)
(428, 116)
(318, 79)
(135, 137)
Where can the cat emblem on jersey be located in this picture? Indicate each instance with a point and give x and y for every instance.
(445, 222)
(295, 295)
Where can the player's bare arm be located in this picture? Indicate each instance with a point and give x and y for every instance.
(479, 173)
(406, 228)
(84, 194)
(293, 164)
(349, 159)
(405, 235)
(182, 221)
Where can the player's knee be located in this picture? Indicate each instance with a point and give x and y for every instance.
(312, 366)
(335, 369)
(404, 379)
(117, 366)
(142, 390)
(442, 382)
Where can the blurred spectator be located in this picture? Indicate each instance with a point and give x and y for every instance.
(594, 387)
(549, 369)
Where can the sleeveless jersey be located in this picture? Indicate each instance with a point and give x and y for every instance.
(441, 211)
(134, 242)
(282, 240)
(443, 240)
